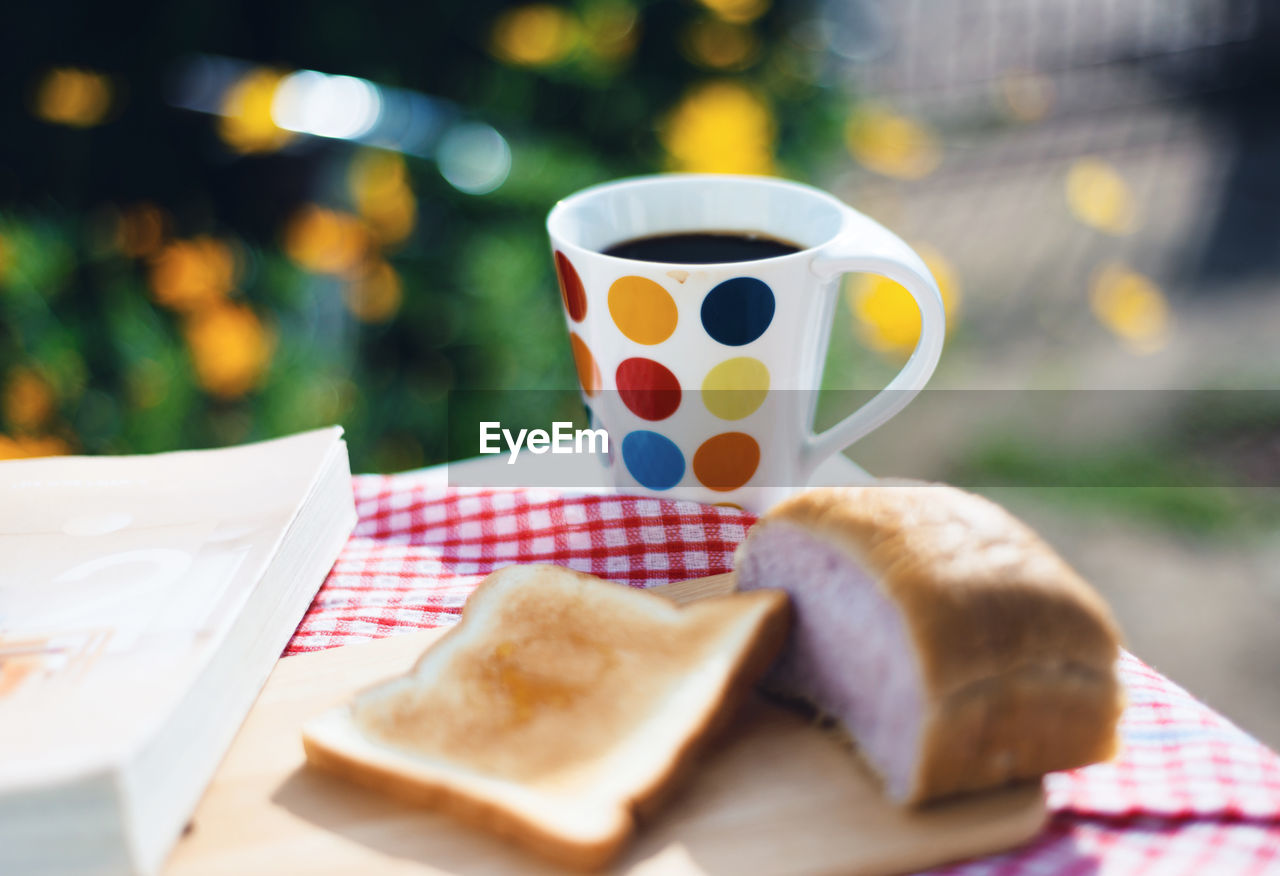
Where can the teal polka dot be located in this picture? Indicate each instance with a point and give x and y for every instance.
(653, 460)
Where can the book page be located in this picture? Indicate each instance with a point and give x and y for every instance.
(118, 577)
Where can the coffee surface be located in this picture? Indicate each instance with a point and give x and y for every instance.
(702, 247)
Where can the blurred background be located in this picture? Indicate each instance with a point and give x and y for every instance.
(222, 222)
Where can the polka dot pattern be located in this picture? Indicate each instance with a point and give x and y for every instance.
(588, 370)
(571, 291)
(738, 311)
(648, 388)
(653, 460)
(642, 310)
(736, 387)
(727, 461)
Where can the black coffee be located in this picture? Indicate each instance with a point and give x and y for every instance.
(702, 247)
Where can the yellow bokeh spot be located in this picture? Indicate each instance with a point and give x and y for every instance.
(737, 11)
(609, 30)
(1099, 197)
(720, 127)
(720, 44)
(536, 35)
(79, 98)
(379, 186)
(885, 314)
(21, 447)
(246, 124)
(891, 144)
(376, 294)
(326, 241)
(642, 310)
(187, 275)
(141, 230)
(736, 387)
(230, 349)
(1131, 306)
(28, 400)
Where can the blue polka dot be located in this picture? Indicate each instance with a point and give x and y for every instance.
(738, 311)
(653, 460)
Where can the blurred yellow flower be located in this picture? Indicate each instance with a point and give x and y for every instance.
(883, 141)
(535, 35)
(230, 348)
(375, 295)
(885, 314)
(246, 124)
(28, 400)
(610, 30)
(187, 275)
(720, 127)
(141, 230)
(1131, 307)
(79, 98)
(20, 447)
(325, 241)
(720, 44)
(1099, 197)
(737, 11)
(379, 186)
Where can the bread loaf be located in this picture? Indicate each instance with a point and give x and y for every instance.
(956, 647)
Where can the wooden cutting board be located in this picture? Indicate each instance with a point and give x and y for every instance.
(775, 795)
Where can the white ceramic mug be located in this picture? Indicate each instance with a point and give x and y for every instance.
(706, 375)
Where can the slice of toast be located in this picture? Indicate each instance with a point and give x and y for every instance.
(558, 710)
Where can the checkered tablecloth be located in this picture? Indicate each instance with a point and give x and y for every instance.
(1189, 794)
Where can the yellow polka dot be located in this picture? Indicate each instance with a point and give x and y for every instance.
(642, 310)
(735, 388)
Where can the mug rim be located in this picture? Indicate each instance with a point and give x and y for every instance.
(562, 207)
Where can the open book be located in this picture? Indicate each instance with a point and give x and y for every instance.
(143, 602)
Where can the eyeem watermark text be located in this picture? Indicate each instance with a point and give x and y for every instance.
(562, 438)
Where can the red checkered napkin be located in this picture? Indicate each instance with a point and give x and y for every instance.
(1189, 793)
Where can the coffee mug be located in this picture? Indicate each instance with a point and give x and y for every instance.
(705, 376)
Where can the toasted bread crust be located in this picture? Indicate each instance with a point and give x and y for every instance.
(771, 627)
(1016, 651)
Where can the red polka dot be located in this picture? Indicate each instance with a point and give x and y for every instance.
(726, 461)
(650, 390)
(575, 297)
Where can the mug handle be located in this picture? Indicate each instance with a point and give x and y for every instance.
(865, 246)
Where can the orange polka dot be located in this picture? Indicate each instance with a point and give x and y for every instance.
(726, 461)
(642, 310)
(588, 370)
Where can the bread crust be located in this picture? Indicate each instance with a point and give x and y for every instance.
(1015, 649)
(771, 628)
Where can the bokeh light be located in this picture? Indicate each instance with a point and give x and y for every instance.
(1131, 307)
(375, 294)
(1027, 96)
(28, 400)
(246, 123)
(1099, 197)
(24, 447)
(378, 182)
(892, 144)
(230, 348)
(474, 158)
(341, 107)
(737, 11)
(325, 241)
(535, 35)
(720, 45)
(885, 315)
(720, 127)
(187, 275)
(78, 98)
(610, 30)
